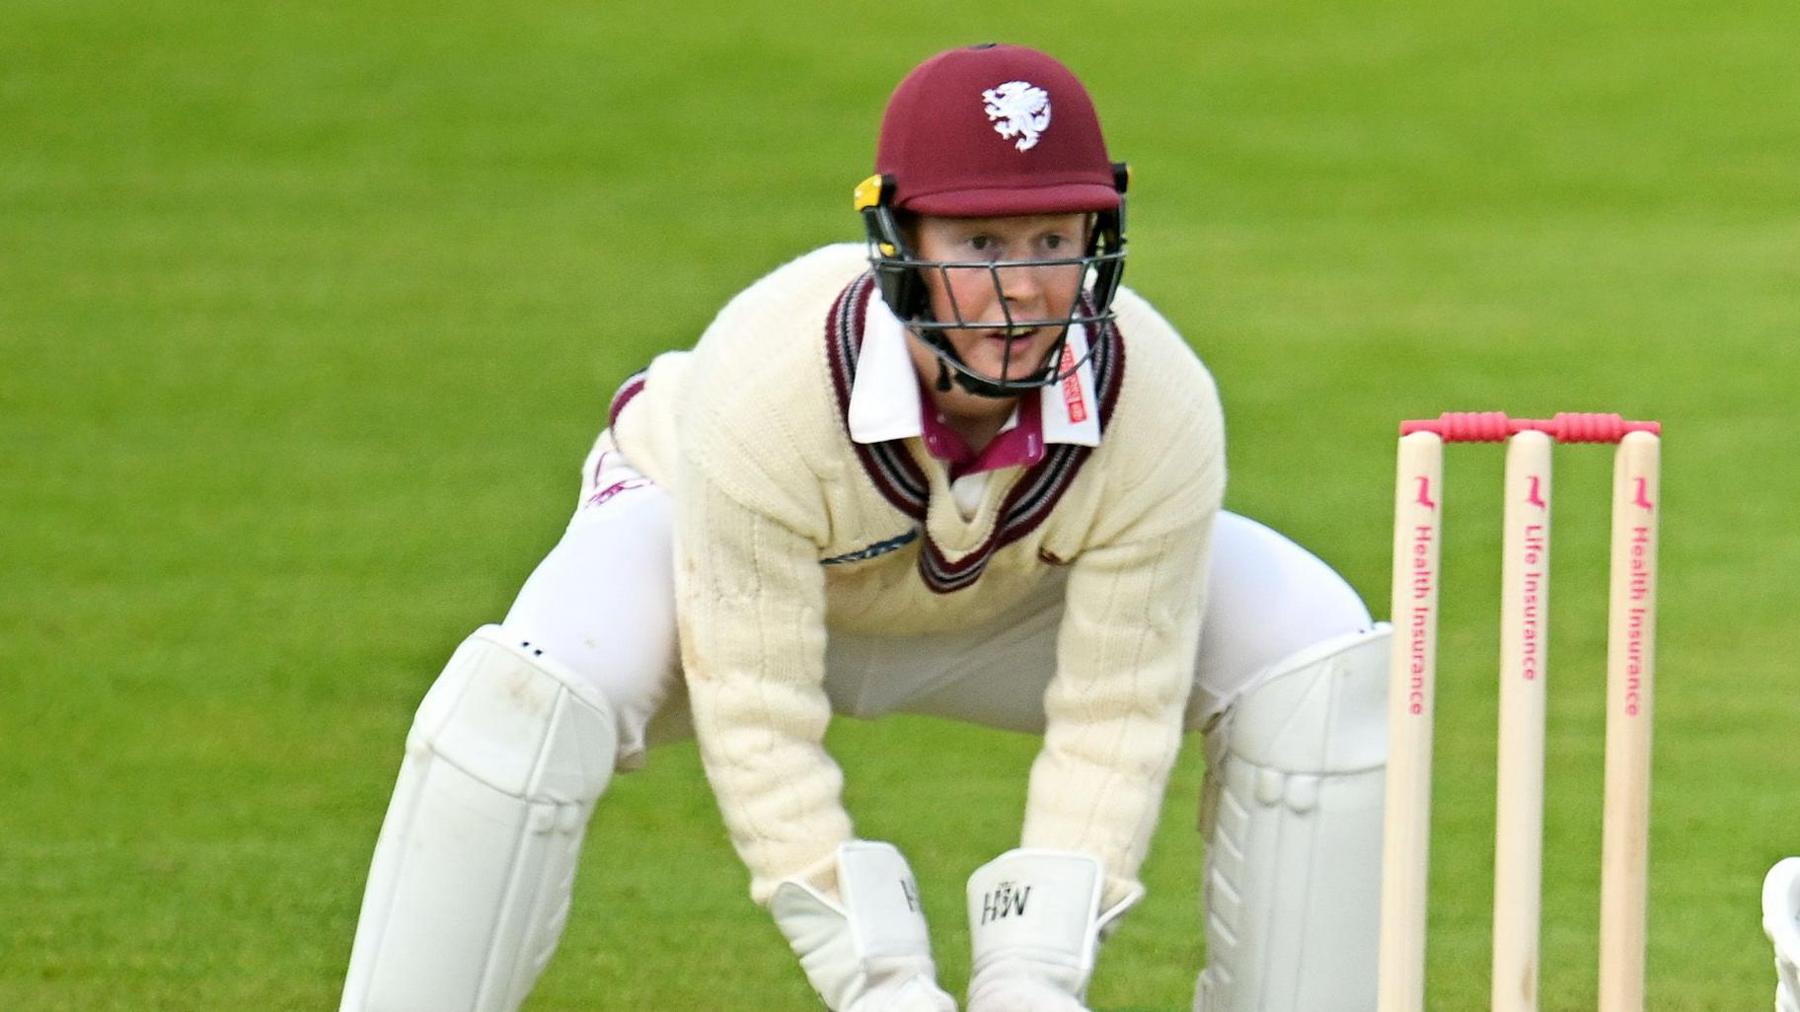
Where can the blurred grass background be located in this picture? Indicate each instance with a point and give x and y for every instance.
(310, 310)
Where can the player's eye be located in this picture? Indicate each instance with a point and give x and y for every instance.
(1054, 240)
(981, 243)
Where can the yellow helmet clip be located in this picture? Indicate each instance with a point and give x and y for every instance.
(868, 193)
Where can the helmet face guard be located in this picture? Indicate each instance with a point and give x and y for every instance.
(901, 275)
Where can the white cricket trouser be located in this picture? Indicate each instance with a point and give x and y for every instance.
(603, 603)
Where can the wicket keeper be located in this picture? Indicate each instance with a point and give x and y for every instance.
(956, 470)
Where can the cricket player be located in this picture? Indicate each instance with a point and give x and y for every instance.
(962, 471)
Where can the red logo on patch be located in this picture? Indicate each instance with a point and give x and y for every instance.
(1071, 387)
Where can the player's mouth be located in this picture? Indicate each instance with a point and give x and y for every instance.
(1011, 336)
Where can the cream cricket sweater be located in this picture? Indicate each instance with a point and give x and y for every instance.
(786, 529)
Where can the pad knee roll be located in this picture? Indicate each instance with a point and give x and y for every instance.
(1292, 813)
(469, 888)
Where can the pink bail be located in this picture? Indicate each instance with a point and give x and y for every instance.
(1496, 427)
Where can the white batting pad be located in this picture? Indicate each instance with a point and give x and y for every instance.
(1781, 922)
(1293, 812)
(469, 888)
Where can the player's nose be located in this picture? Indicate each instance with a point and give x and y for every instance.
(1021, 286)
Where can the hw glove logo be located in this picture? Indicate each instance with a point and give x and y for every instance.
(1018, 109)
(909, 891)
(1006, 901)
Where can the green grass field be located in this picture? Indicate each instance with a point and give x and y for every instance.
(309, 312)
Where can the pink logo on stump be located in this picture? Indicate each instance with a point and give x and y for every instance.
(1425, 493)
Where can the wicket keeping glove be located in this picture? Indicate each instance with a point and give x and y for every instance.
(869, 951)
(1035, 923)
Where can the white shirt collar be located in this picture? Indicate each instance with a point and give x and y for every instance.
(885, 402)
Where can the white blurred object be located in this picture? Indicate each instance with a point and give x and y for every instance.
(1781, 922)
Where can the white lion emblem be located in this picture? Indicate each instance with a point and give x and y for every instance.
(1018, 109)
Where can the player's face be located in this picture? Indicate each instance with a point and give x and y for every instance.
(987, 298)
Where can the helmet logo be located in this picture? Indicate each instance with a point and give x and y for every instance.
(1018, 109)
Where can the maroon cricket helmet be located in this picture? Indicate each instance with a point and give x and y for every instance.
(993, 130)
